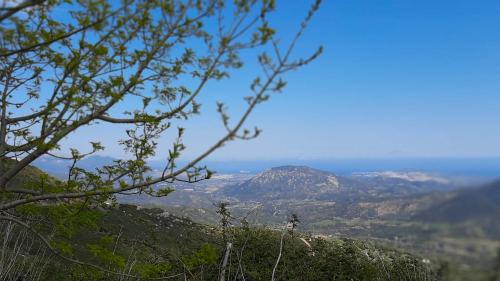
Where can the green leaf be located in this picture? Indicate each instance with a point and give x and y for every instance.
(101, 50)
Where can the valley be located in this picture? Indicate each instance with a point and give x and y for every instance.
(421, 213)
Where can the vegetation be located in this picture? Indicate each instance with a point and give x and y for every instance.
(147, 243)
(70, 64)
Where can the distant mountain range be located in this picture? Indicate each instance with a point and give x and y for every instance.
(395, 194)
(301, 182)
(408, 196)
(477, 204)
(59, 167)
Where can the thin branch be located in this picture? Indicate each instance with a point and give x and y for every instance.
(58, 38)
(279, 256)
(26, 4)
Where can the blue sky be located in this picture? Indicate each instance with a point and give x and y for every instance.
(396, 79)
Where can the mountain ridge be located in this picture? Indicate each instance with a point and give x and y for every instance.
(287, 182)
(478, 203)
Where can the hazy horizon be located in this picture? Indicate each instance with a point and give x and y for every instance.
(486, 167)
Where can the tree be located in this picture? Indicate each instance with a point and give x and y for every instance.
(496, 267)
(67, 64)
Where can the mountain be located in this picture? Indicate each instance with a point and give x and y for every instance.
(28, 177)
(59, 167)
(290, 183)
(481, 203)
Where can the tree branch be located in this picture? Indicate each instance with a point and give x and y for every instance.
(26, 4)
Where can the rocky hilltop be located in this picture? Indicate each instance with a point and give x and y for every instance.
(290, 182)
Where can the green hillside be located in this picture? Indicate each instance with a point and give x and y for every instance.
(149, 243)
